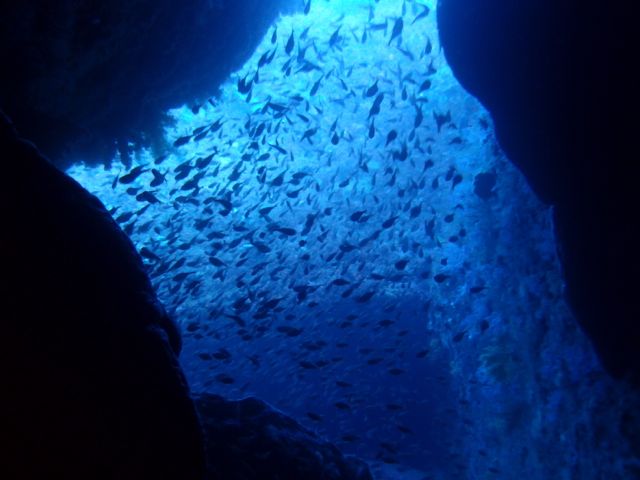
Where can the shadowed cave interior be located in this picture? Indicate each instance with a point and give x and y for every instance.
(348, 240)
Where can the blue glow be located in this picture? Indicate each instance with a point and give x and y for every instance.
(451, 360)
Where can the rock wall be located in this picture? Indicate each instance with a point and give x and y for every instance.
(84, 78)
(556, 77)
(91, 383)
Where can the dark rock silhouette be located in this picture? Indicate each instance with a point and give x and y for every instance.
(557, 79)
(82, 78)
(247, 439)
(90, 380)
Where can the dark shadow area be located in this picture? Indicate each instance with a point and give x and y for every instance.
(249, 439)
(91, 383)
(82, 79)
(557, 79)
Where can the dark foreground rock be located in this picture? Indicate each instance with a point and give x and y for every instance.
(247, 439)
(91, 386)
(557, 79)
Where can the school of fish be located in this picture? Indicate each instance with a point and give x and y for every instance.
(326, 230)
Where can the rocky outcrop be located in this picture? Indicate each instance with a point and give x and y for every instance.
(91, 386)
(82, 78)
(556, 77)
(247, 439)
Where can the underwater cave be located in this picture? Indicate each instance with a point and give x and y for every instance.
(380, 236)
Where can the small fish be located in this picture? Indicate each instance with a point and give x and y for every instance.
(216, 262)
(401, 264)
(160, 159)
(365, 297)
(278, 148)
(428, 47)
(359, 216)
(289, 331)
(290, 44)
(132, 175)
(459, 336)
(440, 277)
(388, 223)
(264, 59)
(426, 85)
(278, 181)
(274, 35)
(441, 119)
(391, 136)
(314, 416)
(316, 86)
(261, 247)
(289, 232)
(244, 85)
(372, 90)
(305, 32)
(407, 54)
(221, 354)
(147, 197)
(397, 30)
(335, 37)
(375, 108)
(422, 14)
(457, 179)
(308, 134)
(419, 117)
(307, 365)
(182, 141)
(307, 7)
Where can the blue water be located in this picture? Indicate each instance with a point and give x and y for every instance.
(386, 300)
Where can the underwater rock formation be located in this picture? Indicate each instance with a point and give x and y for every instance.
(247, 439)
(81, 77)
(556, 78)
(91, 383)
(90, 380)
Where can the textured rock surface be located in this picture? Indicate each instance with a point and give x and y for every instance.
(90, 380)
(82, 76)
(247, 439)
(556, 77)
